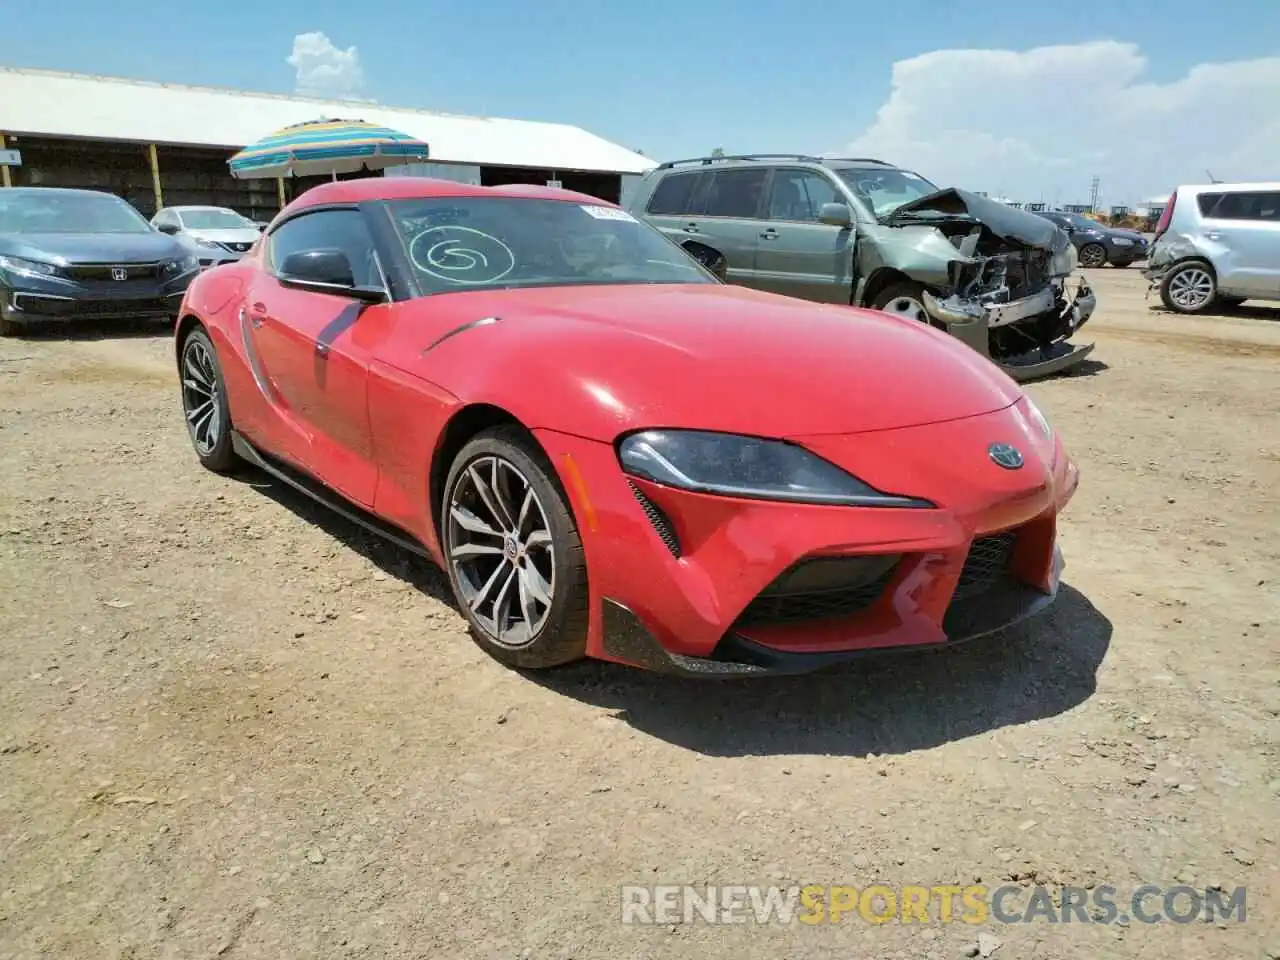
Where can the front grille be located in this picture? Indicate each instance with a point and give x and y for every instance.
(662, 524)
(237, 247)
(821, 589)
(89, 272)
(41, 307)
(986, 565)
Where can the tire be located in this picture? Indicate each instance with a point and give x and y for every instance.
(1189, 287)
(905, 298)
(1093, 255)
(8, 328)
(493, 573)
(202, 386)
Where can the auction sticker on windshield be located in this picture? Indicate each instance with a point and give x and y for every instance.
(608, 213)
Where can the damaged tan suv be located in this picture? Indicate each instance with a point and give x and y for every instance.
(868, 233)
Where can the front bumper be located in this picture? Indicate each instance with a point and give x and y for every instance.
(684, 582)
(972, 321)
(23, 301)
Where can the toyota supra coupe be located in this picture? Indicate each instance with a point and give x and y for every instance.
(611, 452)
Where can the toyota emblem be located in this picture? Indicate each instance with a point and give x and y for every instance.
(119, 273)
(1004, 455)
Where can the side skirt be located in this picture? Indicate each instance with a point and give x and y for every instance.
(326, 496)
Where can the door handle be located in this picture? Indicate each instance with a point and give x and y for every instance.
(770, 234)
(1215, 235)
(690, 228)
(257, 314)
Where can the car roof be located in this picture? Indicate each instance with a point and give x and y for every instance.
(70, 191)
(199, 206)
(1243, 187)
(423, 188)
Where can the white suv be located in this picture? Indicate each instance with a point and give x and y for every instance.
(1217, 244)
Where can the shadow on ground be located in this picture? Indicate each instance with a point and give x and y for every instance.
(391, 559)
(1250, 309)
(1037, 670)
(897, 704)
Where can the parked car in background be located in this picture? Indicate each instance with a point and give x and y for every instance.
(867, 233)
(1096, 243)
(1217, 244)
(214, 234)
(610, 452)
(81, 254)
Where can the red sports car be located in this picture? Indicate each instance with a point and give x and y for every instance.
(612, 453)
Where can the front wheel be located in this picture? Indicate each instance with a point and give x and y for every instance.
(512, 552)
(1189, 287)
(904, 299)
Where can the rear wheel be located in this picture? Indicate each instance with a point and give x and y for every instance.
(8, 328)
(512, 552)
(204, 401)
(1189, 287)
(1093, 255)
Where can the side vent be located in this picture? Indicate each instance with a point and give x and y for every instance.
(662, 524)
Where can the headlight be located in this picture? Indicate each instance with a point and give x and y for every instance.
(211, 244)
(186, 264)
(736, 466)
(1064, 262)
(1122, 241)
(28, 268)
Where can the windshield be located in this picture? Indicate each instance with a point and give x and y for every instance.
(1077, 221)
(214, 219)
(479, 243)
(58, 212)
(884, 190)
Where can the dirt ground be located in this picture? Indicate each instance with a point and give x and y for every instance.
(232, 725)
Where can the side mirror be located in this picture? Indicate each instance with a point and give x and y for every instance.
(169, 228)
(836, 215)
(326, 271)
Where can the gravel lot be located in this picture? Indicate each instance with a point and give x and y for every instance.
(233, 725)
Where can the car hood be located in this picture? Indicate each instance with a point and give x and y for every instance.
(246, 235)
(70, 248)
(600, 360)
(1009, 223)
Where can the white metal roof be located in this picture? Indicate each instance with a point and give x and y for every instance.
(49, 103)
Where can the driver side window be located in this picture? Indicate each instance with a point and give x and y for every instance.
(343, 230)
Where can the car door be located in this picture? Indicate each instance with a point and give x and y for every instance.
(317, 369)
(798, 255)
(733, 205)
(1246, 226)
(674, 207)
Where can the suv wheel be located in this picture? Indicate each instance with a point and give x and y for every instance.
(905, 299)
(1189, 287)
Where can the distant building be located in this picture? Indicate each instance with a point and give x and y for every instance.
(161, 144)
(1077, 208)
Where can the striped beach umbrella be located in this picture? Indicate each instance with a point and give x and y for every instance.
(326, 146)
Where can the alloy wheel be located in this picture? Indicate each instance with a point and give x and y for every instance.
(1092, 255)
(201, 399)
(500, 551)
(1191, 288)
(907, 307)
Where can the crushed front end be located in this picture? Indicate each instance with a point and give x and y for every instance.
(1008, 286)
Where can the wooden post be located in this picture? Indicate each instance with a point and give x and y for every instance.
(5, 179)
(280, 191)
(155, 175)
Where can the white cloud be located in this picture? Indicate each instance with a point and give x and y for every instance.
(1039, 124)
(325, 70)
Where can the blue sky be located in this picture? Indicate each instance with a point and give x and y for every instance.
(670, 77)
